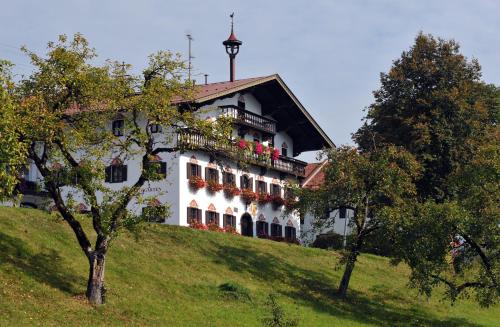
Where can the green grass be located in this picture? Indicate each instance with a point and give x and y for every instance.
(172, 276)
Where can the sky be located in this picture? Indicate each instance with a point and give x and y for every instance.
(329, 52)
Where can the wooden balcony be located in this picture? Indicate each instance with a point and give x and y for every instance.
(250, 119)
(283, 164)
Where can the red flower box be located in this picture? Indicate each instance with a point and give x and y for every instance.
(231, 190)
(277, 200)
(248, 195)
(264, 198)
(213, 186)
(196, 182)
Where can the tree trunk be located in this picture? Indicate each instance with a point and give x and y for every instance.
(95, 286)
(349, 267)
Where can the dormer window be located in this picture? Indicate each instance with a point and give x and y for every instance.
(155, 128)
(117, 127)
(284, 149)
(241, 101)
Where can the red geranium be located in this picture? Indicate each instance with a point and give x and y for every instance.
(196, 182)
(276, 154)
(258, 148)
(242, 144)
(231, 190)
(264, 198)
(213, 186)
(195, 224)
(248, 195)
(277, 200)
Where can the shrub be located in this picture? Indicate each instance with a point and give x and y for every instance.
(214, 227)
(277, 317)
(234, 291)
(195, 224)
(231, 230)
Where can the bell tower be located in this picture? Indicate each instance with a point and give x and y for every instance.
(232, 45)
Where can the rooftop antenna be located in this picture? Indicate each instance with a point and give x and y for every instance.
(190, 38)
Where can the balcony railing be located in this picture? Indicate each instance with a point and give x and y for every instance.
(248, 118)
(283, 164)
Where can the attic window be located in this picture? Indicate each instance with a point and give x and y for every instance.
(241, 102)
(284, 149)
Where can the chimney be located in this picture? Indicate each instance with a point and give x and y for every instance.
(232, 45)
(206, 79)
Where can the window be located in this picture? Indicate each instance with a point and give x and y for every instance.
(160, 168)
(290, 233)
(262, 228)
(193, 214)
(116, 173)
(118, 127)
(276, 230)
(212, 217)
(288, 193)
(228, 178)
(193, 170)
(229, 220)
(241, 102)
(261, 187)
(342, 212)
(212, 174)
(284, 149)
(155, 128)
(246, 183)
(275, 189)
(154, 214)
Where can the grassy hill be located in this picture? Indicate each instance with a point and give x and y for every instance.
(171, 277)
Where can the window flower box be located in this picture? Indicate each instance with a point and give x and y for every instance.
(264, 198)
(196, 182)
(214, 187)
(277, 201)
(230, 190)
(248, 196)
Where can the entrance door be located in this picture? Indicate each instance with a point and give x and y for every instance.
(246, 225)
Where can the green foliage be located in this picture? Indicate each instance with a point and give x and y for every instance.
(432, 103)
(234, 291)
(59, 118)
(170, 277)
(277, 316)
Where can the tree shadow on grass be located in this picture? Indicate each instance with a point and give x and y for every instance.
(44, 266)
(317, 290)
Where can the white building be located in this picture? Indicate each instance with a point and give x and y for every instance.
(264, 111)
(333, 221)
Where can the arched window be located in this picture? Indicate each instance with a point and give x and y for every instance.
(241, 101)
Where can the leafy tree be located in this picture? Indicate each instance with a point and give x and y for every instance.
(456, 243)
(369, 183)
(431, 102)
(11, 150)
(62, 115)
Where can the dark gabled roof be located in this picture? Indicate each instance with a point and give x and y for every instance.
(277, 101)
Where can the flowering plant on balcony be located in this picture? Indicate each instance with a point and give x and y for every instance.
(258, 148)
(242, 144)
(290, 203)
(248, 195)
(276, 154)
(231, 190)
(264, 198)
(196, 182)
(213, 186)
(277, 200)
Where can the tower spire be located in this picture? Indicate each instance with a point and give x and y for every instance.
(232, 45)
